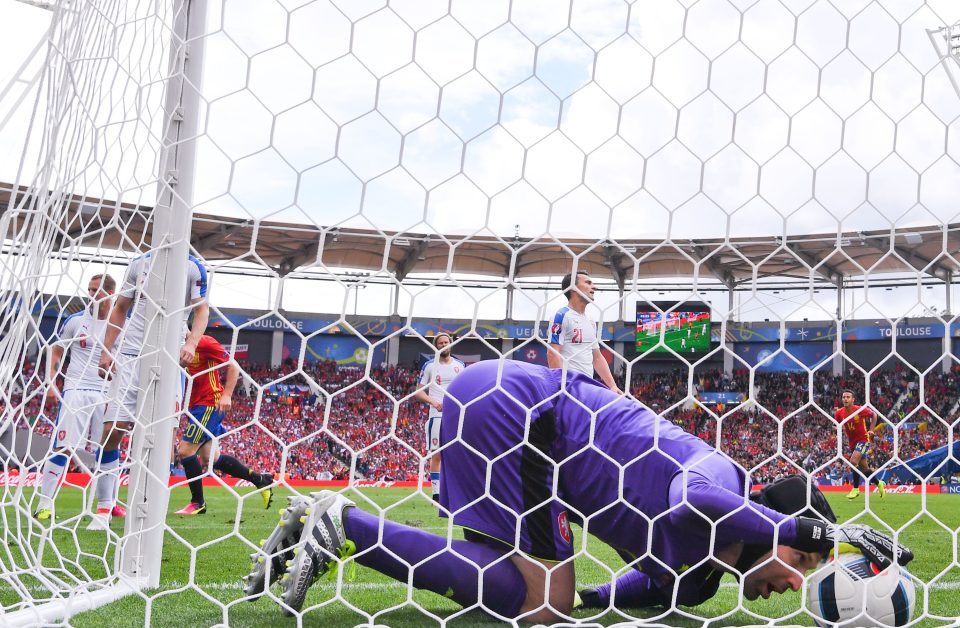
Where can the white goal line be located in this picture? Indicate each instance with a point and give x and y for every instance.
(231, 585)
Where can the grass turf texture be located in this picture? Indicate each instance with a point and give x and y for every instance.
(218, 558)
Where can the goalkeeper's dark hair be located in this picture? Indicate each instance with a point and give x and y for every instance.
(567, 281)
(788, 496)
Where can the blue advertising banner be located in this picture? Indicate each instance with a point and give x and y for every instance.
(610, 331)
(520, 331)
(270, 323)
(771, 359)
(376, 329)
(532, 352)
(820, 333)
(749, 333)
(345, 350)
(903, 332)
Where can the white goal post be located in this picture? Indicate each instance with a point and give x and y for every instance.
(142, 548)
(137, 561)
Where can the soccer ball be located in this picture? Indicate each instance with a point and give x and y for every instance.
(848, 591)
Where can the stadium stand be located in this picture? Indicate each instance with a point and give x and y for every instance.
(361, 421)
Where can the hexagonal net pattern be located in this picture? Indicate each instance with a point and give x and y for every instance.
(338, 230)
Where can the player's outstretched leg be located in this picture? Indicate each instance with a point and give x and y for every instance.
(233, 467)
(875, 479)
(322, 541)
(336, 529)
(194, 459)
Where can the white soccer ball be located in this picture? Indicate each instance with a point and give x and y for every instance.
(848, 592)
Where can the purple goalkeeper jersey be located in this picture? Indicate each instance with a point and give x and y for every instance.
(636, 481)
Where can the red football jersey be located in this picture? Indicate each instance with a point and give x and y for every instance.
(855, 428)
(207, 386)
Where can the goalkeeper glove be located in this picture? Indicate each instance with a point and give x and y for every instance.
(814, 535)
(587, 598)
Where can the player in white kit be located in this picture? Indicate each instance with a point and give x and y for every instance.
(573, 336)
(436, 376)
(80, 418)
(121, 364)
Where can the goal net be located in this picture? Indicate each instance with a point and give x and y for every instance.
(762, 194)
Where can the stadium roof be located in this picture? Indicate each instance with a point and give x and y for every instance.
(932, 250)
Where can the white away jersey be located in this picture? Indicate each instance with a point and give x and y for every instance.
(577, 336)
(81, 336)
(439, 375)
(134, 283)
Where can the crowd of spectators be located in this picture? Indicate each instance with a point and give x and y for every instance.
(789, 427)
(345, 421)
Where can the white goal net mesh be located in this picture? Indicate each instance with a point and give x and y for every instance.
(774, 179)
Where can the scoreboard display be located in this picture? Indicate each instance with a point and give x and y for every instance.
(681, 327)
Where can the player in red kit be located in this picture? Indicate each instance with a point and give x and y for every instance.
(210, 401)
(853, 418)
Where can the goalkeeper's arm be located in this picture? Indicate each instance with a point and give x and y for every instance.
(740, 520)
(746, 522)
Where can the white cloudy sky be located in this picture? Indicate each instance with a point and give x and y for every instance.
(600, 118)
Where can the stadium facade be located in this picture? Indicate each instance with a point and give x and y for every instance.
(266, 338)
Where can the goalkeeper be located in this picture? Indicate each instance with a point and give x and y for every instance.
(551, 454)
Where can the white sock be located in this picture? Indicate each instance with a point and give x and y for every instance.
(52, 472)
(435, 484)
(109, 478)
(107, 491)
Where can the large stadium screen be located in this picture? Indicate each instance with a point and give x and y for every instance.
(686, 327)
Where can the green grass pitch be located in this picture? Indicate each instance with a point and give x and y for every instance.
(220, 560)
